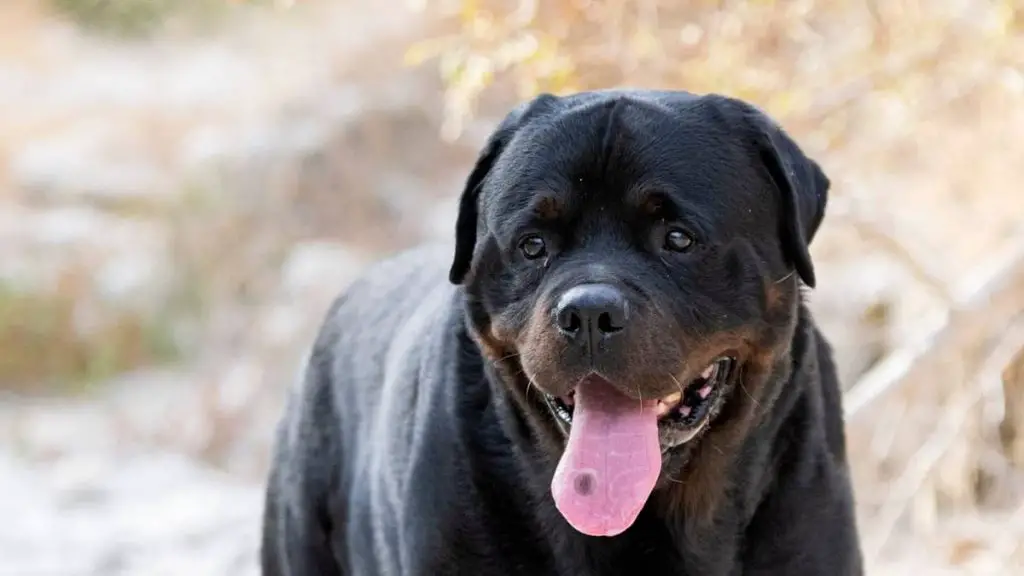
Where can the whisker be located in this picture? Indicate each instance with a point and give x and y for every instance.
(757, 404)
(747, 392)
(521, 372)
(786, 277)
(507, 357)
(679, 384)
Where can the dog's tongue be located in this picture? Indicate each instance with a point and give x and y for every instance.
(611, 461)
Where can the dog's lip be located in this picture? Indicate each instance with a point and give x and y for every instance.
(682, 415)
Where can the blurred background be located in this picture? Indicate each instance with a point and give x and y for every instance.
(186, 184)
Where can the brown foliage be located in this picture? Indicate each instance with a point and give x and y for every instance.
(808, 62)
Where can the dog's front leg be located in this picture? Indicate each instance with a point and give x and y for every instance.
(295, 542)
(297, 520)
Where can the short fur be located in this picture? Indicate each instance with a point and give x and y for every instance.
(418, 442)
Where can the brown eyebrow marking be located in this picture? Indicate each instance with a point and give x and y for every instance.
(652, 204)
(649, 198)
(548, 208)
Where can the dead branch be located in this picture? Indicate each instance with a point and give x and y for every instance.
(946, 431)
(880, 235)
(985, 304)
(1011, 429)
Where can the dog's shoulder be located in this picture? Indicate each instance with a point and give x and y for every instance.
(376, 315)
(809, 414)
(381, 321)
(808, 477)
(815, 377)
(351, 413)
(390, 290)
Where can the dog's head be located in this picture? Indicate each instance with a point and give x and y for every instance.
(650, 241)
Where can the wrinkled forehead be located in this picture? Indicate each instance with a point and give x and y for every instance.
(626, 161)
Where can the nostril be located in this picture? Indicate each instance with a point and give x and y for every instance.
(569, 320)
(607, 323)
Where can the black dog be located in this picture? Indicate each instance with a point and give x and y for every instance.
(619, 376)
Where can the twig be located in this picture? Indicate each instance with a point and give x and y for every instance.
(873, 231)
(924, 461)
(984, 303)
(892, 371)
(854, 91)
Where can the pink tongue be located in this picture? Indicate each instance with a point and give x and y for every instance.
(611, 462)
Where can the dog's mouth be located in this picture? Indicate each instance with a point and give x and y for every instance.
(615, 444)
(681, 415)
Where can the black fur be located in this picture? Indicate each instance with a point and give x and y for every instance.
(418, 442)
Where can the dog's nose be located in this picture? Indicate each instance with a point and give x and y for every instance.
(592, 311)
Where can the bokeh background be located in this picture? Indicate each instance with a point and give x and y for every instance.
(186, 184)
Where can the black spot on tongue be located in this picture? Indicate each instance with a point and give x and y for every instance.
(584, 484)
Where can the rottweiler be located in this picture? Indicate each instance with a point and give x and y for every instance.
(613, 370)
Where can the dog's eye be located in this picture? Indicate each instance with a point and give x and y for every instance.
(532, 246)
(678, 240)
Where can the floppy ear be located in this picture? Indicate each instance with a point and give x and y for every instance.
(469, 202)
(466, 221)
(803, 192)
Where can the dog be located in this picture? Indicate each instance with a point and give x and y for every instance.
(613, 370)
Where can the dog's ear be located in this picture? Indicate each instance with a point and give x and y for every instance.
(803, 190)
(469, 202)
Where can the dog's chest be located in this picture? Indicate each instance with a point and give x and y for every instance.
(643, 557)
(551, 547)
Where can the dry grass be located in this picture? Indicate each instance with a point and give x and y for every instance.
(916, 109)
(42, 344)
(229, 229)
(135, 18)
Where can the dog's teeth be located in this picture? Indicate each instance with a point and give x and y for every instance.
(709, 371)
(564, 414)
(668, 403)
(684, 410)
